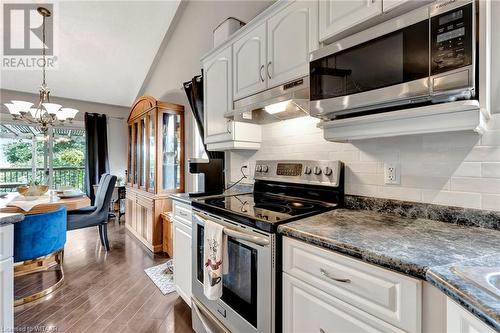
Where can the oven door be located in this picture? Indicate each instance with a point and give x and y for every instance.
(384, 66)
(247, 302)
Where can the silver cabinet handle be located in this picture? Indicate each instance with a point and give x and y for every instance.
(268, 73)
(326, 274)
(260, 73)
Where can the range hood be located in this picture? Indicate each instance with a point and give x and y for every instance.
(290, 100)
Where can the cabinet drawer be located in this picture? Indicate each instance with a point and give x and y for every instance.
(392, 297)
(6, 241)
(182, 213)
(307, 309)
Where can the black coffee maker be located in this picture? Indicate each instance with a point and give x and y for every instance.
(213, 176)
(213, 167)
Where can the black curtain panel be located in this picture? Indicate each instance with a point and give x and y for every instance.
(194, 92)
(96, 140)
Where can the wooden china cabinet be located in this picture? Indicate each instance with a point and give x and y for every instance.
(155, 166)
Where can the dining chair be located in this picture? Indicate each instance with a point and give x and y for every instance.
(38, 245)
(99, 216)
(90, 209)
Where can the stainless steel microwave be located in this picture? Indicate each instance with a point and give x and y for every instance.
(425, 56)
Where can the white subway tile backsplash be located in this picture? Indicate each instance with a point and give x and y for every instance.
(468, 169)
(484, 154)
(490, 201)
(462, 199)
(400, 193)
(458, 169)
(490, 138)
(490, 170)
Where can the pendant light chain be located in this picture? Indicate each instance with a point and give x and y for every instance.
(43, 50)
(45, 114)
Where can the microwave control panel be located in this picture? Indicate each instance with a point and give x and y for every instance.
(452, 39)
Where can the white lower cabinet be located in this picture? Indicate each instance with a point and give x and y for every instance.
(182, 250)
(459, 320)
(6, 278)
(308, 309)
(345, 294)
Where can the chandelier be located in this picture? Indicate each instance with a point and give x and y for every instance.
(45, 114)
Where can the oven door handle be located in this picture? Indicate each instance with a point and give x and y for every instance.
(240, 235)
(247, 237)
(201, 317)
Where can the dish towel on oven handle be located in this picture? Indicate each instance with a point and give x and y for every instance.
(214, 259)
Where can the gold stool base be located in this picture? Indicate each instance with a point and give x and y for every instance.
(39, 265)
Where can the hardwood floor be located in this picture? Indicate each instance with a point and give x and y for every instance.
(104, 291)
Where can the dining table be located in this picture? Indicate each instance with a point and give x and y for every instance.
(48, 203)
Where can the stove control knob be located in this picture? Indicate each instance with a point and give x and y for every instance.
(258, 168)
(307, 170)
(317, 171)
(265, 168)
(328, 171)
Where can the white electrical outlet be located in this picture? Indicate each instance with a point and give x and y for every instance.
(392, 174)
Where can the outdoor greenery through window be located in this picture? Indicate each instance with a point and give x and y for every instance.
(26, 155)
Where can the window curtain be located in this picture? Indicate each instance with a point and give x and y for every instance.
(194, 92)
(96, 141)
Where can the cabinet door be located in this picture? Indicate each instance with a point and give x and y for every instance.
(307, 309)
(151, 152)
(218, 94)
(182, 255)
(336, 16)
(7, 295)
(129, 155)
(459, 320)
(249, 60)
(171, 156)
(292, 35)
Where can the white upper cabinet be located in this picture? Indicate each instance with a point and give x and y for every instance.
(217, 93)
(292, 34)
(249, 59)
(336, 16)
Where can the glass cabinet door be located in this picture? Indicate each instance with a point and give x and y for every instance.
(130, 154)
(143, 152)
(152, 152)
(136, 152)
(171, 151)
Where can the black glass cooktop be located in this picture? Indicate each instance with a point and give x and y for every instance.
(261, 210)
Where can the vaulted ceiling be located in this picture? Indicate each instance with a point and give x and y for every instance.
(105, 50)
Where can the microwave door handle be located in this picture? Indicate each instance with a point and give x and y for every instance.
(246, 237)
(240, 235)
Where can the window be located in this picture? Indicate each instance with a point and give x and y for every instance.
(27, 155)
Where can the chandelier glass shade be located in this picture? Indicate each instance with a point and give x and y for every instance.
(44, 114)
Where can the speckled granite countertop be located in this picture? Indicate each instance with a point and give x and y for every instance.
(8, 218)
(422, 248)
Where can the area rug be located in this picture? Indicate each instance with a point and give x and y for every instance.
(163, 276)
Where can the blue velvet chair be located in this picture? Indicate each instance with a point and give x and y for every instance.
(39, 235)
(99, 216)
(38, 246)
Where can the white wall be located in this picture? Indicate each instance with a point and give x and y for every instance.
(117, 123)
(179, 60)
(458, 169)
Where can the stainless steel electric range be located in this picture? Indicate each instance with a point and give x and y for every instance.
(284, 191)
